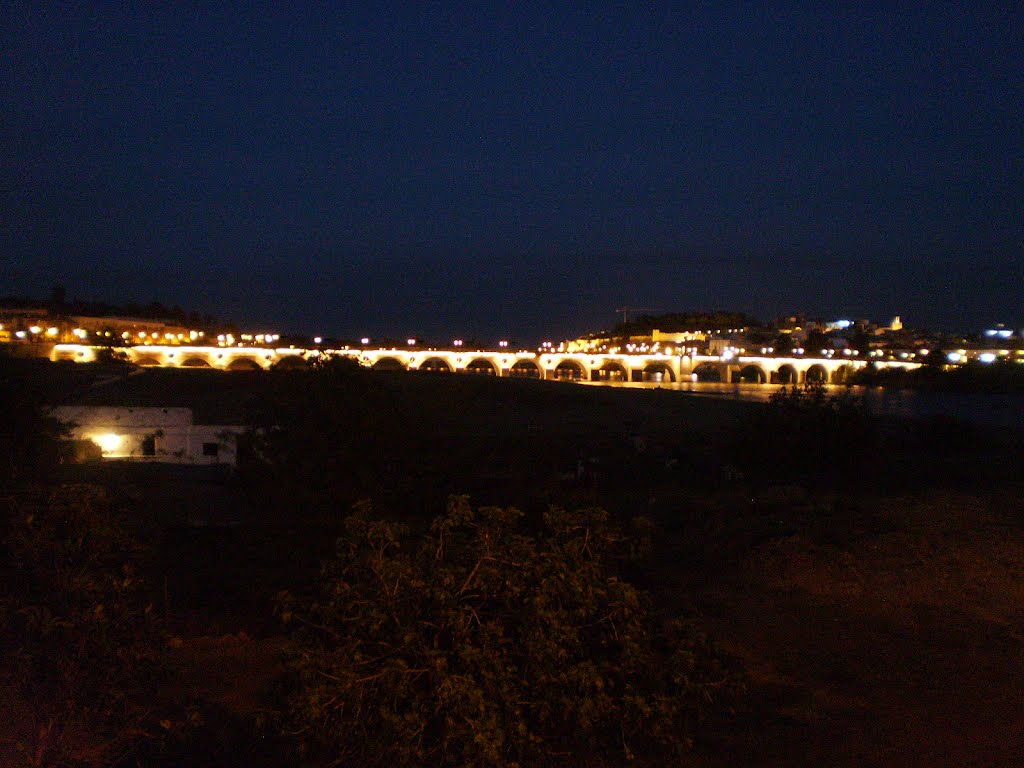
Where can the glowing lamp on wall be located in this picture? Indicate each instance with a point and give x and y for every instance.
(108, 443)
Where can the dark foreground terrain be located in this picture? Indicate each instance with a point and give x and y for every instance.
(867, 577)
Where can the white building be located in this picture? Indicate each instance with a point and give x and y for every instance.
(151, 434)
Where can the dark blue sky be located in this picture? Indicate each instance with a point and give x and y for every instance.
(453, 169)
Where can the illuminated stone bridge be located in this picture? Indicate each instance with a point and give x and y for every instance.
(568, 366)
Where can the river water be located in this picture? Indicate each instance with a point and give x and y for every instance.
(1000, 410)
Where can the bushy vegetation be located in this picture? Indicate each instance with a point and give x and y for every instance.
(488, 642)
(29, 438)
(806, 435)
(1002, 376)
(81, 642)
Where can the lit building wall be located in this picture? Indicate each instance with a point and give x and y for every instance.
(151, 434)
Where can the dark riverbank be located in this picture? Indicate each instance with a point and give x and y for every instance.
(866, 574)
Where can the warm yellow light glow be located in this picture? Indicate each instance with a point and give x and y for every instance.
(35, 329)
(108, 443)
(80, 333)
(51, 332)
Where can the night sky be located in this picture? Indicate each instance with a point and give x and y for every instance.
(456, 170)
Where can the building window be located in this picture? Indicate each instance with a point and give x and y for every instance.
(149, 446)
(211, 449)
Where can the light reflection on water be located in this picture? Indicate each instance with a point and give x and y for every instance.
(1003, 410)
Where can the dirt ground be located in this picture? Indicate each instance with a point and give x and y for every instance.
(901, 649)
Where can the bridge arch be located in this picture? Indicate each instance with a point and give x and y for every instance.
(525, 368)
(657, 372)
(816, 374)
(244, 364)
(291, 363)
(786, 374)
(842, 374)
(612, 370)
(752, 374)
(481, 366)
(570, 370)
(388, 364)
(708, 372)
(195, 362)
(435, 365)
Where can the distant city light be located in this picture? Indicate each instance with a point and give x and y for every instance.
(364, 340)
(954, 357)
(318, 339)
(503, 344)
(35, 329)
(987, 357)
(410, 342)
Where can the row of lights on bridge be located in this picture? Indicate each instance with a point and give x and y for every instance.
(410, 342)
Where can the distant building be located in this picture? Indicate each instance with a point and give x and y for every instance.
(40, 324)
(148, 434)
